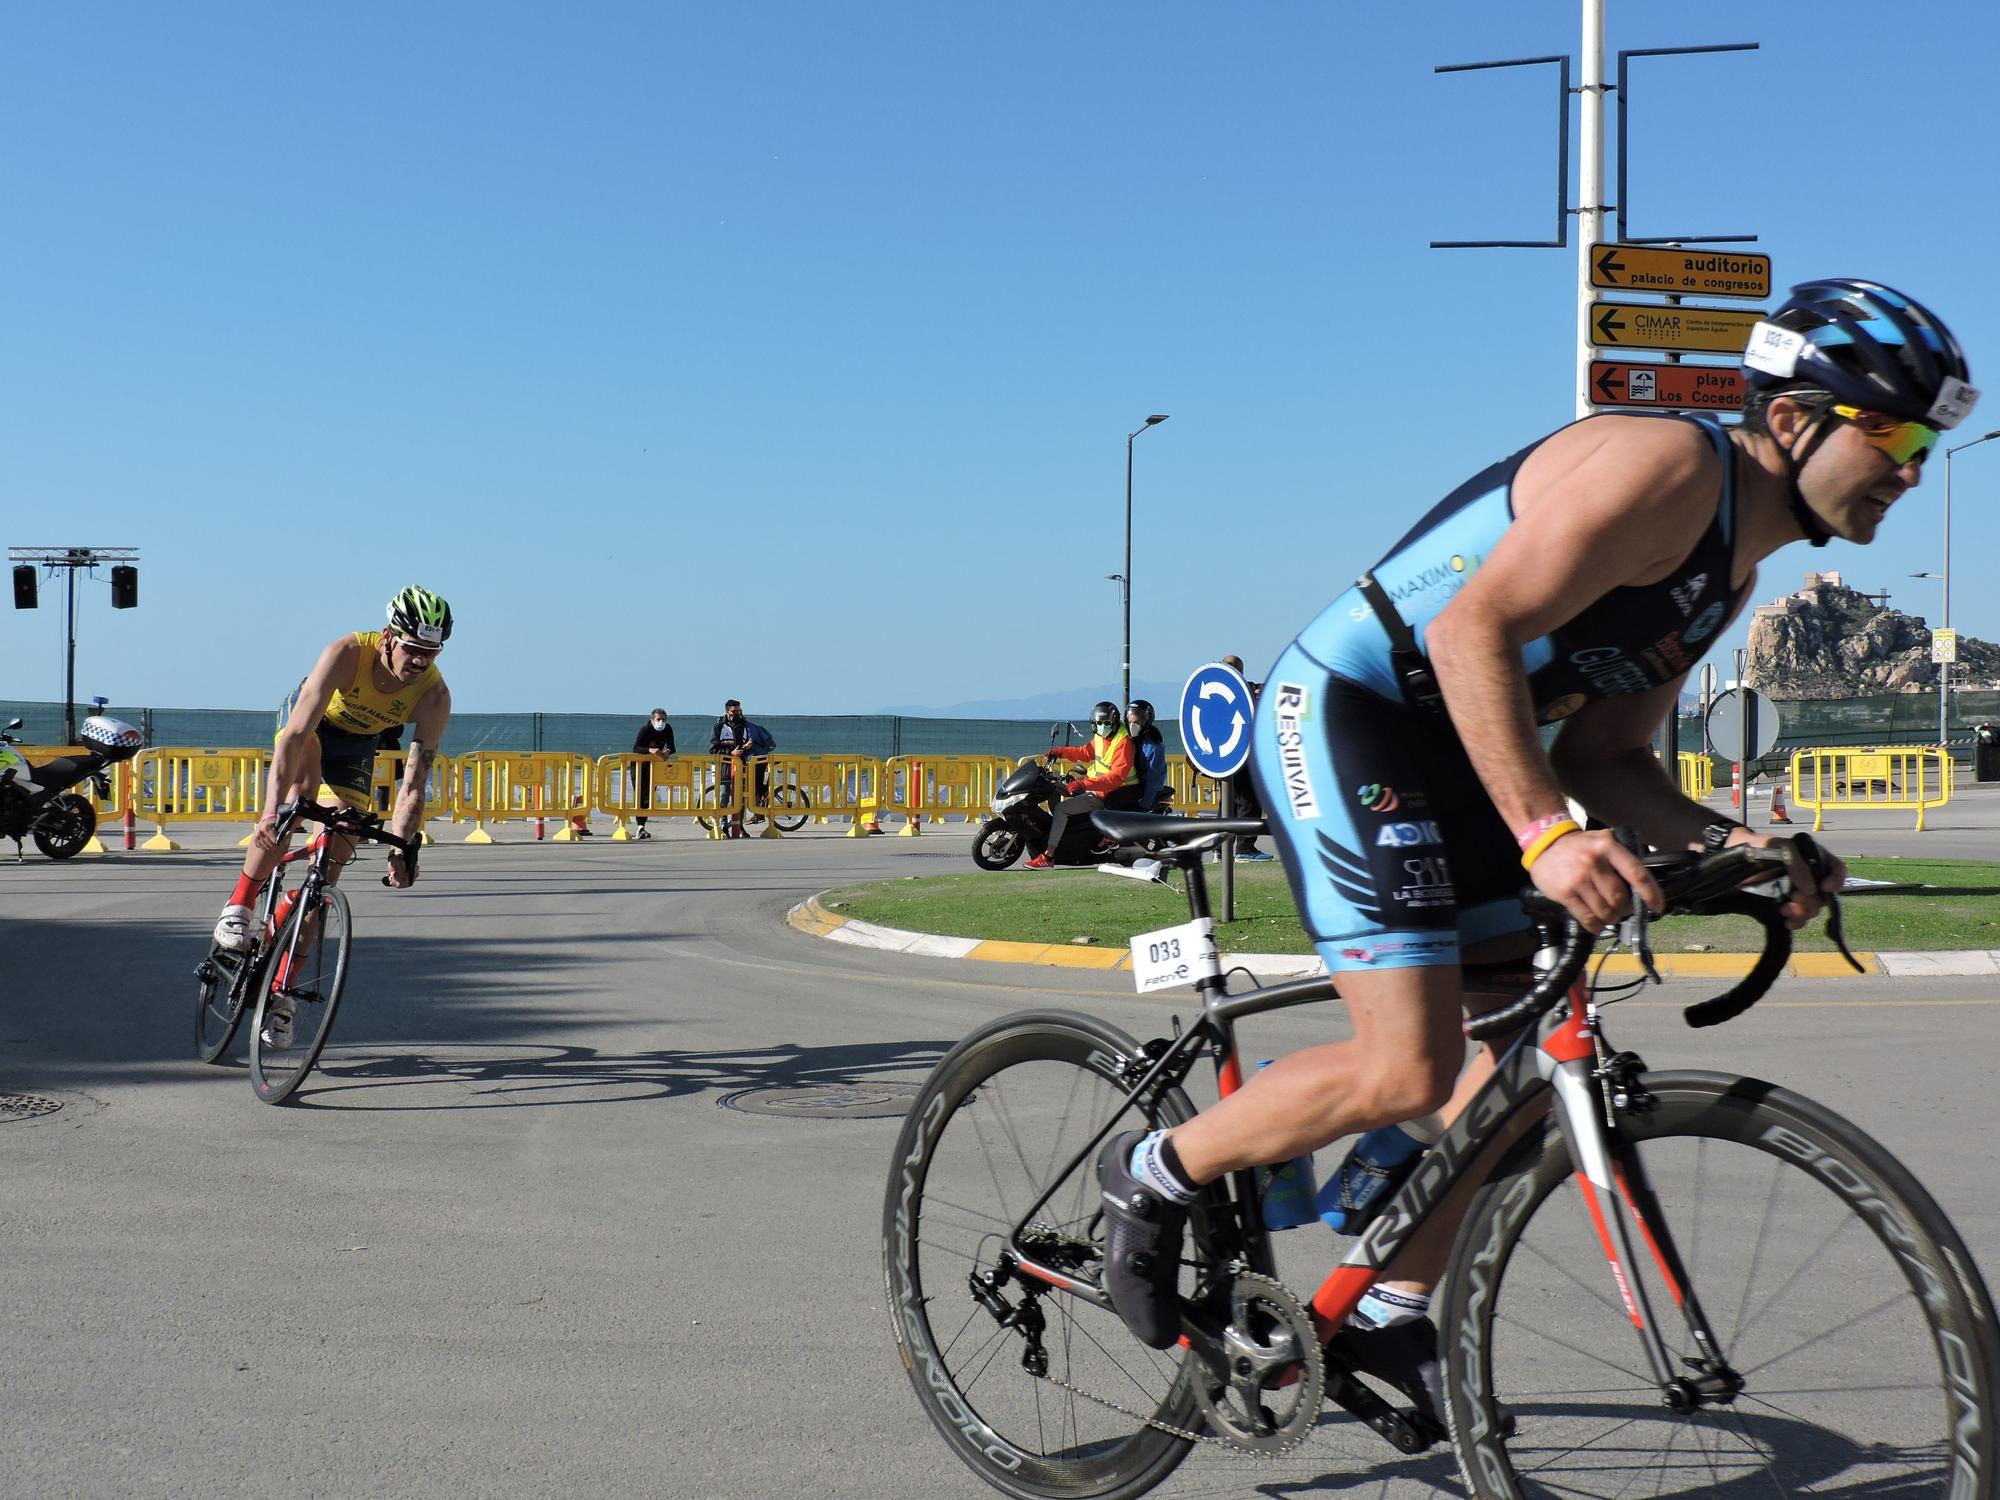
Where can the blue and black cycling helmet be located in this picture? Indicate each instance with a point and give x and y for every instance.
(1866, 345)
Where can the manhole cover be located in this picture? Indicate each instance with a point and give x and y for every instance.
(26, 1106)
(827, 1101)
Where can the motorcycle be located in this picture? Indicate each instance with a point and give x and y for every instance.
(1023, 804)
(36, 801)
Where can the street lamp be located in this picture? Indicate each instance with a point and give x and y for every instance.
(1126, 579)
(1944, 667)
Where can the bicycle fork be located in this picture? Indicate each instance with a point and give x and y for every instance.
(1590, 1089)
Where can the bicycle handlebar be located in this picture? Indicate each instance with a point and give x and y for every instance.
(350, 822)
(1694, 885)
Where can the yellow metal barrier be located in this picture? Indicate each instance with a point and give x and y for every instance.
(1906, 776)
(1697, 775)
(198, 786)
(644, 786)
(386, 783)
(938, 786)
(495, 786)
(1194, 793)
(822, 787)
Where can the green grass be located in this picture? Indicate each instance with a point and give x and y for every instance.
(1958, 906)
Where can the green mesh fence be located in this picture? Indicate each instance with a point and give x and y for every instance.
(878, 735)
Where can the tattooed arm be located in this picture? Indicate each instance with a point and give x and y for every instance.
(433, 712)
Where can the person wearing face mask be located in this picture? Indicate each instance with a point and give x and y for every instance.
(1110, 777)
(655, 738)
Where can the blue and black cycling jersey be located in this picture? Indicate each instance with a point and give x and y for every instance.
(1397, 857)
(1632, 639)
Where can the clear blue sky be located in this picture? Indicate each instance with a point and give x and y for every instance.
(788, 350)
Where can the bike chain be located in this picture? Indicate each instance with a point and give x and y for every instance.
(1181, 1432)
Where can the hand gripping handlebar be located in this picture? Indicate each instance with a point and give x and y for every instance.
(1694, 885)
(350, 822)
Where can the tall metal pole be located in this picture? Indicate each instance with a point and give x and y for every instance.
(69, 667)
(1125, 686)
(1590, 189)
(1125, 678)
(1944, 667)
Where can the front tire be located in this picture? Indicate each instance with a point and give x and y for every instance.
(1006, 1109)
(1837, 1289)
(998, 845)
(315, 969)
(65, 826)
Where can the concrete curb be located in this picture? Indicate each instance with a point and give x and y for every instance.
(811, 917)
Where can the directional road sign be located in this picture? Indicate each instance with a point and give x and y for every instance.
(1742, 725)
(1216, 711)
(1700, 330)
(1680, 273)
(1699, 387)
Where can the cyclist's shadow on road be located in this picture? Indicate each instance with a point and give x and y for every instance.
(876, 1077)
(1753, 1452)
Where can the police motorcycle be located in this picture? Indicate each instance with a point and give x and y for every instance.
(1023, 806)
(37, 801)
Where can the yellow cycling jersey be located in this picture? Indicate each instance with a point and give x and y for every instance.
(363, 708)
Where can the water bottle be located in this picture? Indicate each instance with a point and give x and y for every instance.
(1288, 1189)
(1374, 1169)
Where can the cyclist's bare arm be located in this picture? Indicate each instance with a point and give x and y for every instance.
(292, 756)
(432, 714)
(1592, 514)
(1605, 760)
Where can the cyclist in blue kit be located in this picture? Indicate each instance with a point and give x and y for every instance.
(1399, 753)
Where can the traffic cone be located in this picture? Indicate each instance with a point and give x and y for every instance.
(1779, 812)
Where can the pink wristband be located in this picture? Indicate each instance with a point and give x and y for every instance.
(1528, 833)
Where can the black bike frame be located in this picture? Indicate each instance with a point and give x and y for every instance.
(1563, 1053)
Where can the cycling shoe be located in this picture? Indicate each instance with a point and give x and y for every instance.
(1142, 1246)
(1404, 1356)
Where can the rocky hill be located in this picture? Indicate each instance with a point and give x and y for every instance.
(1831, 641)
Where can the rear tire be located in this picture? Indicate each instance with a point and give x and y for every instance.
(220, 1000)
(316, 984)
(1004, 1110)
(65, 827)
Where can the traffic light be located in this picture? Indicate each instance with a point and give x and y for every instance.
(24, 587)
(124, 587)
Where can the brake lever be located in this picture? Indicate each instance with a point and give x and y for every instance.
(1632, 931)
(1818, 863)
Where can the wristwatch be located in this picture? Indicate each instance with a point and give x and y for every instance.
(1716, 834)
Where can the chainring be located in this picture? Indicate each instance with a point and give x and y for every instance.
(1276, 1378)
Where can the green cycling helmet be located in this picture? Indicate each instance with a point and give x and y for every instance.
(419, 615)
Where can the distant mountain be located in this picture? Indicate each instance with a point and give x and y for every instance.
(1831, 641)
(1070, 703)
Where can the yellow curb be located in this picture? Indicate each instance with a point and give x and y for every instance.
(809, 916)
(1830, 965)
(1734, 965)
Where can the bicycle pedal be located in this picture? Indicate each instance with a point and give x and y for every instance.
(1407, 1431)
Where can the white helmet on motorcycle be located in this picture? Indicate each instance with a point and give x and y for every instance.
(110, 734)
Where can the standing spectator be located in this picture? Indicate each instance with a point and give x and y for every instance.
(743, 742)
(1243, 786)
(655, 738)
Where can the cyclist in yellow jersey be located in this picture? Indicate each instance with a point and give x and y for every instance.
(362, 684)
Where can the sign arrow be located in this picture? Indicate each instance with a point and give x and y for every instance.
(1610, 264)
(1611, 384)
(1609, 329)
(1194, 723)
(1235, 734)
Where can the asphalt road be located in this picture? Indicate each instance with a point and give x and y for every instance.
(521, 1236)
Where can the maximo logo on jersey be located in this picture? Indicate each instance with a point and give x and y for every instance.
(1290, 699)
